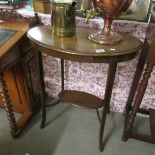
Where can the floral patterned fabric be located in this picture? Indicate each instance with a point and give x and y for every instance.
(91, 77)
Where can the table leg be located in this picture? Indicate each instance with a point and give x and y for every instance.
(7, 106)
(62, 74)
(56, 101)
(42, 88)
(107, 97)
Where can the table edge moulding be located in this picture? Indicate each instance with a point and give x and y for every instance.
(79, 48)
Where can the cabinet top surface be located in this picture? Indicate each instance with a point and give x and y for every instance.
(80, 45)
(12, 32)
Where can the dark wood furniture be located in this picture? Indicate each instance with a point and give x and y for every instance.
(79, 48)
(138, 89)
(18, 80)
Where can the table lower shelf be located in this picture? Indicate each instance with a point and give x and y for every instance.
(81, 99)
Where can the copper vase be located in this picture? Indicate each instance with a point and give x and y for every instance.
(111, 9)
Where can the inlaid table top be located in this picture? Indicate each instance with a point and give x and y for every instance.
(79, 48)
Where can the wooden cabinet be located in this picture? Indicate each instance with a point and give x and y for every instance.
(19, 81)
(22, 80)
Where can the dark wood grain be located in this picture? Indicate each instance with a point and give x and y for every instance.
(81, 99)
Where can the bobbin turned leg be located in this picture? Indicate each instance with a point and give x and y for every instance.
(138, 100)
(7, 106)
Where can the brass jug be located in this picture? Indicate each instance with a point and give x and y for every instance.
(63, 19)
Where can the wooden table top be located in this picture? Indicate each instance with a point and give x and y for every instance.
(20, 30)
(79, 48)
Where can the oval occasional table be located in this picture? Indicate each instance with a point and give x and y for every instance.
(79, 48)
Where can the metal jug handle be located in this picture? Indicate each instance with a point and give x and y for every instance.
(69, 9)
